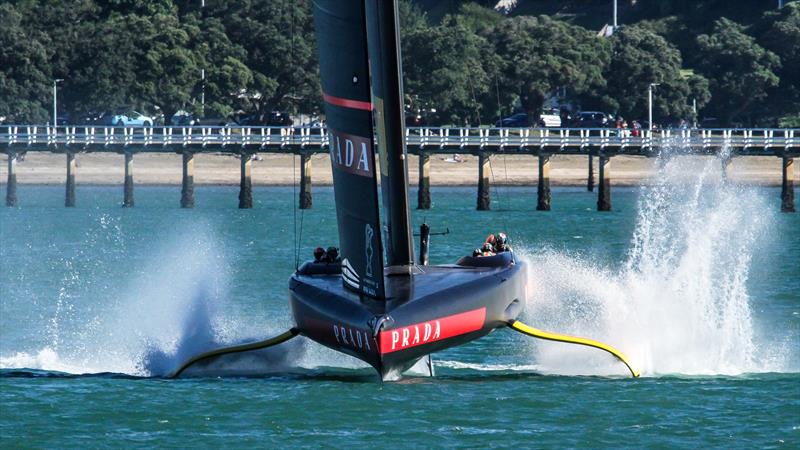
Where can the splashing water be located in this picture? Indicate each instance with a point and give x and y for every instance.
(679, 305)
(166, 314)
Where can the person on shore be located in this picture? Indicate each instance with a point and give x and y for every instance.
(636, 128)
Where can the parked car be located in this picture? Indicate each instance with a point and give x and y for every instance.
(517, 120)
(122, 117)
(593, 119)
(550, 117)
(183, 118)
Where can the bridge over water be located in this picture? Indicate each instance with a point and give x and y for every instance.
(601, 143)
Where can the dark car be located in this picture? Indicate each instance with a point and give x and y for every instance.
(518, 120)
(592, 119)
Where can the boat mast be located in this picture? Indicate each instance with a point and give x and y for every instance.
(383, 40)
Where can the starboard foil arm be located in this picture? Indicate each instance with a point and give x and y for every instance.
(530, 331)
(283, 337)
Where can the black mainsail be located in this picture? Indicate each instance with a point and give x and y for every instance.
(383, 39)
(344, 75)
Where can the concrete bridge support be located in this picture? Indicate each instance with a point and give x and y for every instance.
(69, 200)
(590, 177)
(246, 182)
(306, 200)
(484, 198)
(424, 191)
(604, 186)
(11, 184)
(787, 187)
(127, 200)
(543, 188)
(187, 184)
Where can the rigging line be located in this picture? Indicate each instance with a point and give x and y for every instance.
(298, 235)
(496, 192)
(294, 212)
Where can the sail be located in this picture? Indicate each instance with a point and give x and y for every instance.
(344, 75)
(387, 98)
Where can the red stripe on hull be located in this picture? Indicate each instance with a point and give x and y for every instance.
(434, 330)
(347, 103)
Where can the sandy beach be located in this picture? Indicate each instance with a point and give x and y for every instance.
(272, 169)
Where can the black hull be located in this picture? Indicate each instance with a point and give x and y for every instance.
(441, 307)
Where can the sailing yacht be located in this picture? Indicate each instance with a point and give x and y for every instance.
(377, 304)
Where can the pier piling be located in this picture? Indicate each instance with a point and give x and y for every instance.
(590, 178)
(11, 184)
(69, 200)
(306, 200)
(424, 191)
(187, 185)
(543, 188)
(725, 161)
(246, 182)
(787, 187)
(604, 185)
(127, 201)
(484, 198)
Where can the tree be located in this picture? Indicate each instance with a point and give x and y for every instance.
(226, 74)
(541, 55)
(448, 67)
(167, 68)
(740, 71)
(24, 71)
(779, 32)
(280, 44)
(641, 57)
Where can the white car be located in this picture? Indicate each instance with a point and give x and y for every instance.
(550, 118)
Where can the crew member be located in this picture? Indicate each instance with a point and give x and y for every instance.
(319, 254)
(501, 243)
(332, 255)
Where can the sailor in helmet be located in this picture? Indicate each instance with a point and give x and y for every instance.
(501, 243)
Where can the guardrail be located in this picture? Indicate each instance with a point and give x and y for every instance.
(428, 139)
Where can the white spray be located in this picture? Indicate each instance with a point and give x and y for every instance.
(680, 303)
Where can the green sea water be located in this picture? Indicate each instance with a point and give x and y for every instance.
(698, 282)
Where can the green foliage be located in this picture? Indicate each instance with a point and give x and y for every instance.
(279, 42)
(779, 32)
(24, 71)
(789, 122)
(740, 71)
(540, 55)
(471, 63)
(449, 68)
(641, 57)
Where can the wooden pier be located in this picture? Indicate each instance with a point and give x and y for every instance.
(600, 145)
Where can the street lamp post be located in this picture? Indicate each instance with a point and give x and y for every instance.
(615, 15)
(650, 103)
(55, 101)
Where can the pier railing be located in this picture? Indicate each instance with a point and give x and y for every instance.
(238, 139)
(601, 144)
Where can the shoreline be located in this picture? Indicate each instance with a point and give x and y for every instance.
(164, 169)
